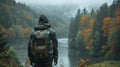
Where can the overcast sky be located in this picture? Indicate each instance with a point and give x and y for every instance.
(82, 3)
(88, 2)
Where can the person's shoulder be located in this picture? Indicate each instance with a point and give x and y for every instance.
(32, 33)
(51, 30)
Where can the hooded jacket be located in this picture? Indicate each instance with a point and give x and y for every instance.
(42, 25)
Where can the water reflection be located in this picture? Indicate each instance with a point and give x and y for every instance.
(73, 57)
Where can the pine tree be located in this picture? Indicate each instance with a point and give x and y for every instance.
(84, 11)
(92, 11)
(2, 39)
(74, 26)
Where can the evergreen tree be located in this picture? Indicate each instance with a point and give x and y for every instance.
(74, 26)
(2, 40)
(84, 11)
(114, 46)
(92, 11)
(102, 13)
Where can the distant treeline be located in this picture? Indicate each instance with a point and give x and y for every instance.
(97, 34)
(16, 19)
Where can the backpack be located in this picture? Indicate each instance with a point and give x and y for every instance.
(43, 47)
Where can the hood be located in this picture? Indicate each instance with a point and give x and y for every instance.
(42, 20)
(42, 27)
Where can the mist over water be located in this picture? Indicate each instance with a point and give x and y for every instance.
(89, 4)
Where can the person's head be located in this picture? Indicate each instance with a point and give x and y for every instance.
(43, 23)
(42, 20)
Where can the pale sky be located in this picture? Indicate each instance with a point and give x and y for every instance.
(82, 3)
(54, 2)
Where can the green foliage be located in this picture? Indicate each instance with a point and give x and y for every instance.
(89, 37)
(2, 39)
(8, 58)
(114, 46)
(16, 13)
(13, 56)
(74, 27)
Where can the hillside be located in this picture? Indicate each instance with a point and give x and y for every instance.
(16, 13)
(59, 16)
(96, 34)
(18, 19)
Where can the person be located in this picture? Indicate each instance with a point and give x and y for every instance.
(43, 44)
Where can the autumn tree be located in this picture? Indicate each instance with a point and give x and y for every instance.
(107, 22)
(27, 32)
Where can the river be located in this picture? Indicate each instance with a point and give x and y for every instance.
(63, 59)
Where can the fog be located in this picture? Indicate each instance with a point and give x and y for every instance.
(82, 3)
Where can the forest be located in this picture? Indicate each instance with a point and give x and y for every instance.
(96, 34)
(92, 36)
(16, 24)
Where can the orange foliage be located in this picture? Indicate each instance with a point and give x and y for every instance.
(116, 22)
(88, 46)
(4, 30)
(106, 25)
(87, 24)
(118, 19)
(26, 32)
(92, 21)
(83, 19)
(115, 25)
(86, 32)
(28, 17)
(117, 12)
